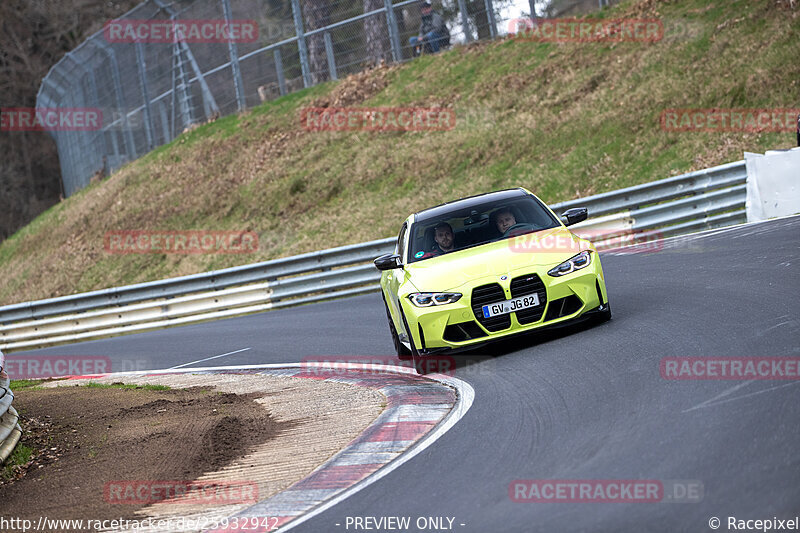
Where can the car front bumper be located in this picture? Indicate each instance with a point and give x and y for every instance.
(459, 326)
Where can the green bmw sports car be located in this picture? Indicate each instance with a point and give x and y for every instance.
(486, 267)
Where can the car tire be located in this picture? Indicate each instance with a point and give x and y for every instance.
(403, 353)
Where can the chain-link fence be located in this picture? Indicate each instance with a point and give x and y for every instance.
(169, 64)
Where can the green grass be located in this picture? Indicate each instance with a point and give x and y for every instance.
(564, 120)
(20, 384)
(21, 455)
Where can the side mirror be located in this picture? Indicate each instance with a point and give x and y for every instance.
(388, 262)
(574, 215)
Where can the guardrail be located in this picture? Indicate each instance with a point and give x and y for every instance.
(690, 202)
(10, 432)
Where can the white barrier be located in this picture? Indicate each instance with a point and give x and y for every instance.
(773, 184)
(10, 432)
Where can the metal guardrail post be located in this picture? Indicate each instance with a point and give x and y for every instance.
(462, 8)
(490, 17)
(394, 33)
(329, 53)
(233, 51)
(148, 120)
(276, 53)
(302, 46)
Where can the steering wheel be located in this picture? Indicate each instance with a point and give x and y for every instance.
(516, 226)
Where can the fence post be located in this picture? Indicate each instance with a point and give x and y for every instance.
(148, 120)
(302, 46)
(93, 96)
(233, 50)
(490, 16)
(394, 33)
(162, 112)
(180, 91)
(462, 8)
(209, 104)
(64, 141)
(331, 58)
(279, 69)
(80, 153)
(119, 97)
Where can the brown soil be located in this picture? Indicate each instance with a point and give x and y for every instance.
(85, 437)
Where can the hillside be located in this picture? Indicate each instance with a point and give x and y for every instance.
(564, 120)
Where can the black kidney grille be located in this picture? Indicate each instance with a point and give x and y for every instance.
(523, 286)
(489, 294)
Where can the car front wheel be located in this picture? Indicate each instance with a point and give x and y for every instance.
(403, 353)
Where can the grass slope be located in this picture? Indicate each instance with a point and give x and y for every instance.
(564, 120)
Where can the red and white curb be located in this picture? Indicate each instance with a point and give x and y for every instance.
(419, 410)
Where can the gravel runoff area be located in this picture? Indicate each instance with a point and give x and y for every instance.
(257, 434)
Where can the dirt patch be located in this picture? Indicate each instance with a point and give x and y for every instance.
(86, 437)
(357, 88)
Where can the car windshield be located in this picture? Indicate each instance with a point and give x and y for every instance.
(476, 225)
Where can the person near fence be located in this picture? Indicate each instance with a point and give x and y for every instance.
(433, 32)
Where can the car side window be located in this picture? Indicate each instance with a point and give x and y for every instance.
(401, 240)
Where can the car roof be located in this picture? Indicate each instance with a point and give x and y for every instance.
(465, 203)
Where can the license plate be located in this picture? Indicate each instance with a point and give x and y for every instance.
(509, 306)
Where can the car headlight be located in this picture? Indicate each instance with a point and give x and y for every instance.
(582, 260)
(429, 299)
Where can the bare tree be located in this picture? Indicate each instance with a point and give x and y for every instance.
(317, 14)
(376, 34)
(34, 35)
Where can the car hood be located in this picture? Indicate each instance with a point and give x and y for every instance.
(506, 257)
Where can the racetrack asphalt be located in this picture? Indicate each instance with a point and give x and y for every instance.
(587, 402)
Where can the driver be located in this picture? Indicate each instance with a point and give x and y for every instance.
(445, 239)
(504, 220)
